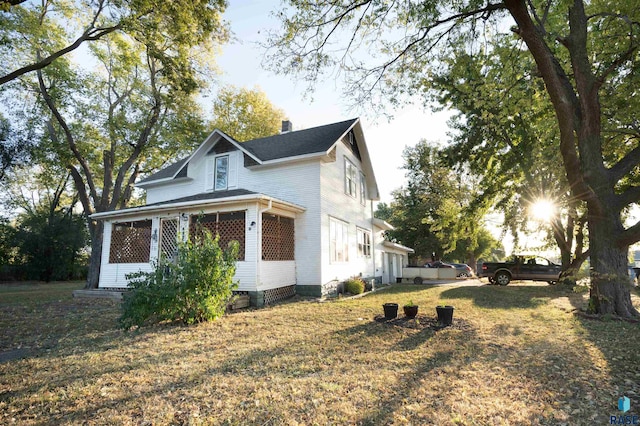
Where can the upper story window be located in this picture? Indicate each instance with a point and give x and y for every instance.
(350, 178)
(221, 173)
(363, 197)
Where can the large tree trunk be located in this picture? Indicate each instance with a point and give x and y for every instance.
(610, 282)
(97, 233)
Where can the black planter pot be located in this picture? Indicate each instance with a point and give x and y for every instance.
(390, 310)
(410, 311)
(445, 314)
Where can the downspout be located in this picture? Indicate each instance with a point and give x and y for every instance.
(373, 242)
(259, 240)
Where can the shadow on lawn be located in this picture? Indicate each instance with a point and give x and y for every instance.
(512, 296)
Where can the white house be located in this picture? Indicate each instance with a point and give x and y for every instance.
(300, 204)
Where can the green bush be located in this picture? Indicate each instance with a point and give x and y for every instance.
(196, 288)
(354, 286)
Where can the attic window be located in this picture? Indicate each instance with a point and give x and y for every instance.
(222, 173)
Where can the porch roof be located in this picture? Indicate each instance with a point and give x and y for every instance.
(397, 247)
(201, 200)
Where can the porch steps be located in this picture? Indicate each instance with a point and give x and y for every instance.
(99, 293)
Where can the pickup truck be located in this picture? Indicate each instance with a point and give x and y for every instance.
(520, 267)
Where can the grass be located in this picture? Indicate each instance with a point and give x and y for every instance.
(515, 355)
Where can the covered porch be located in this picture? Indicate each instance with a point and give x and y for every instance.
(265, 228)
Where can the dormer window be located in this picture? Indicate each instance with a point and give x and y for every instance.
(221, 173)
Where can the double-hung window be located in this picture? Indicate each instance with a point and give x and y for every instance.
(363, 197)
(338, 240)
(364, 243)
(350, 178)
(221, 173)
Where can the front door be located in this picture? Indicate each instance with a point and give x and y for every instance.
(168, 239)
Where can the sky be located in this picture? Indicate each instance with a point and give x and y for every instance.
(240, 64)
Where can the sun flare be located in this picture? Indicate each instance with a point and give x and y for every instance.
(543, 210)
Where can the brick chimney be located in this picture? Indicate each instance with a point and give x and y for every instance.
(286, 126)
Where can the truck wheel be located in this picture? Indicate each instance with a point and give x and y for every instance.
(417, 280)
(502, 278)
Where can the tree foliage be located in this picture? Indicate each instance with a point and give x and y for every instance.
(49, 244)
(583, 51)
(245, 114)
(55, 28)
(504, 137)
(196, 287)
(434, 213)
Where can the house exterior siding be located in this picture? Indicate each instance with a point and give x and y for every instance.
(339, 205)
(302, 179)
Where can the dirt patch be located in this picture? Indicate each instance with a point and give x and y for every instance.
(423, 322)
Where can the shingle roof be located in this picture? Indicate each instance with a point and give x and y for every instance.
(167, 172)
(300, 142)
(285, 145)
(206, 196)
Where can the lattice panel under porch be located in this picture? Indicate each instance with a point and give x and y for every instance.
(277, 294)
(130, 242)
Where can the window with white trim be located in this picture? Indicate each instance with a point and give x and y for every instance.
(221, 174)
(350, 176)
(364, 242)
(338, 240)
(363, 197)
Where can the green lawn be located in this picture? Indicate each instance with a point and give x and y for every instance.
(515, 355)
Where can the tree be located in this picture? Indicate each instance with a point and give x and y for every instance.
(15, 149)
(504, 137)
(110, 127)
(47, 237)
(433, 213)
(57, 28)
(246, 114)
(581, 51)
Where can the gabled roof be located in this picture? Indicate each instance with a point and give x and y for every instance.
(167, 173)
(300, 142)
(317, 140)
(289, 146)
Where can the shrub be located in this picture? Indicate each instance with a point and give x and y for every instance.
(354, 286)
(197, 287)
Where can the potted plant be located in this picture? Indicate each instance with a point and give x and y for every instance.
(390, 310)
(410, 310)
(445, 314)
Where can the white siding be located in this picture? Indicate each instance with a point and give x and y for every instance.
(336, 203)
(319, 188)
(113, 274)
(275, 274)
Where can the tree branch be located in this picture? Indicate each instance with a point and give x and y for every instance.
(625, 165)
(630, 195)
(89, 35)
(68, 136)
